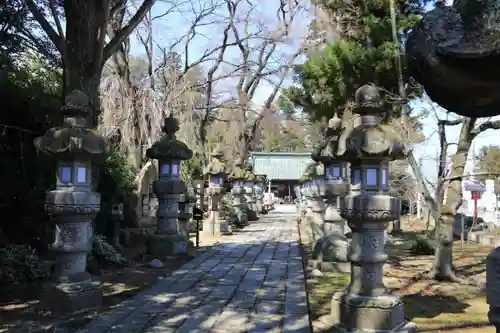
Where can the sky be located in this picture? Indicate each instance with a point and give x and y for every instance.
(173, 26)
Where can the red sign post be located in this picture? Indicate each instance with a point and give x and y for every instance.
(475, 195)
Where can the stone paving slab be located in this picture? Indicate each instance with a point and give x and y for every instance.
(253, 282)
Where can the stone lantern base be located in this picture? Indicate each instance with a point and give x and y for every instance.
(162, 245)
(216, 226)
(252, 214)
(364, 314)
(71, 297)
(330, 254)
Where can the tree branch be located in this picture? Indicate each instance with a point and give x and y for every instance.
(445, 122)
(121, 35)
(485, 126)
(47, 28)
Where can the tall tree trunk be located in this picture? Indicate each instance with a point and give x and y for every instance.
(83, 51)
(443, 267)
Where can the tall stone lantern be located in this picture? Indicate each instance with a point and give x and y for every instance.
(216, 172)
(304, 194)
(248, 185)
(237, 178)
(307, 191)
(169, 188)
(330, 251)
(72, 205)
(369, 146)
(258, 187)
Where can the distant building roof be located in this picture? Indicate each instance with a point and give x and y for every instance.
(280, 165)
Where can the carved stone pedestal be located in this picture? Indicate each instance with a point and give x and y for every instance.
(215, 225)
(252, 213)
(361, 314)
(331, 248)
(239, 204)
(163, 245)
(72, 288)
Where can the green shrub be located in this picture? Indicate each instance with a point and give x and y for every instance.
(104, 252)
(20, 263)
(422, 246)
(116, 181)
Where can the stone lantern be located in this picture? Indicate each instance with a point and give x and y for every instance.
(331, 250)
(72, 205)
(186, 204)
(260, 181)
(248, 186)
(307, 191)
(169, 188)
(366, 305)
(303, 198)
(314, 185)
(216, 172)
(237, 178)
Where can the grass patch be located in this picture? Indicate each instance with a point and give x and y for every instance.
(434, 306)
(321, 291)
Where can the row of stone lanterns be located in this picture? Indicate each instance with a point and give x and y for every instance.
(360, 197)
(73, 205)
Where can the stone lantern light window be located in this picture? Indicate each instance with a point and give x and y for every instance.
(170, 169)
(384, 177)
(371, 176)
(216, 179)
(64, 174)
(335, 170)
(355, 175)
(81, 175)
(73, 173)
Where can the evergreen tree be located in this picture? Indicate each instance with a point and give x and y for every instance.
(361, 51)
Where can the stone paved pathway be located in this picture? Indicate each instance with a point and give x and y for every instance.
(254, 282)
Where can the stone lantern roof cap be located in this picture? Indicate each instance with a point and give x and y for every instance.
(240, 171)
(327, 150)
(73, 140)
(368, 101)
(261, 178)
(168, 147)
(367, 137)
(217, 164)
(313, 170)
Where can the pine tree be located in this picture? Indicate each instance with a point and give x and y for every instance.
(358, 50)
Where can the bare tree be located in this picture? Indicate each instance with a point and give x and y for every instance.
(447, 198)
(262, 63)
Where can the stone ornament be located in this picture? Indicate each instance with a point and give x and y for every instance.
(61, 208)
(368, 145)
(453, 51)
(170, 235)
(72, 205)
(331, 246)
(216, 172)
(240, 172)
(73, 138)
(168, 147)
(368, 137)
(237, 177)
(378, 215)
(217, 166)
